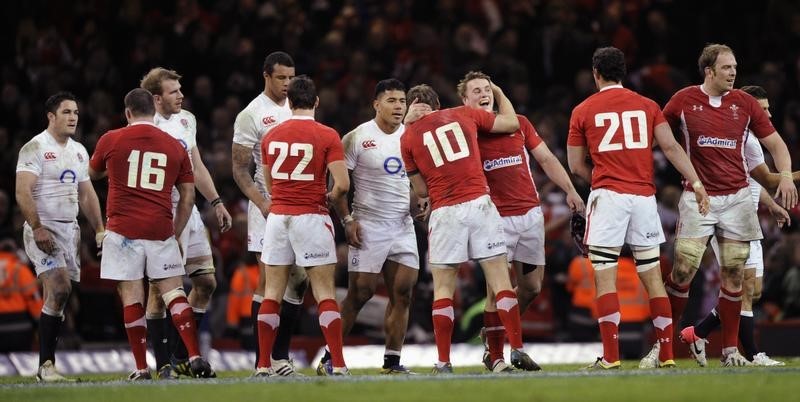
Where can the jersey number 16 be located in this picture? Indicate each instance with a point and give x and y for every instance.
(627, 118)
(151, 175)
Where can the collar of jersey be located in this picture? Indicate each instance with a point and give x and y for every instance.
(611, 87)
(136, 123)
(295, 117)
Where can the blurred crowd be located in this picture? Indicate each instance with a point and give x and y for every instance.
(539, 51)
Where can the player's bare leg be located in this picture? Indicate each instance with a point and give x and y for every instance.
(400, 281)
(495, 270)
(57, 288)
(529, 283)
(444, 287)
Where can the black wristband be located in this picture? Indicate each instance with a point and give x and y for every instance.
(216, 202)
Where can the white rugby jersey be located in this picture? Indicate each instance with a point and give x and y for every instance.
(59, 170)
(183, 127)
(382, 188)
(253, 123)
(753, 156)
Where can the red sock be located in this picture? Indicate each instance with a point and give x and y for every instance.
(495, 334)
(608, 312)
(661, 314)
(268, 322)
(183, 318)
(729, 309)
(443, 327)
(330, 321)
(508, 310)
(678, 297)
(136, 328)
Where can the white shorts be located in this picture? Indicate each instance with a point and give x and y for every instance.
(470, 230)
(194, 238)
(256, 224)
(393, 240)
(755, 260)
(131, 259)
(67, 236)
(303, 240)
(731, 216)
(525, 237)
(614, 219)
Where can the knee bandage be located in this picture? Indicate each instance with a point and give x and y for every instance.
(734, 254)
(604, 257)
(296, 286)
(172, 295)
(646, 258)
(689, 250)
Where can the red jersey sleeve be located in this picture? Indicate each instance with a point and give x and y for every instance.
(655, 111)
(759, 121)
(672, 110)
(335, 149)
(185, 174)
(405, 150)
(532, 139)
(98, 160)
(577, 135)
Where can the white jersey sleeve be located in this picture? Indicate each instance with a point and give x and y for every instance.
(29, 160)
(350, 152)
(753, 156)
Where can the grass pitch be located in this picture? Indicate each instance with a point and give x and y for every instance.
(554, 383)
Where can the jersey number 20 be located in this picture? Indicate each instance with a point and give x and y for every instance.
(285, 149)
(627, 118)
(151, 174)
(441, 135)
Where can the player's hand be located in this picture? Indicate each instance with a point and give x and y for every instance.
(263, 207)
(98, 239)
(424, 206)
(575, 203)
(496, 90)
(703, 202)
(416, 111)
(781, 215)
(223, 217)
(786, 193)
(44, 240)
(352, 231)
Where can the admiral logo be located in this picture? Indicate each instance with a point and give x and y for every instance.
(368, 144)
(268, 120)
(499, 163)
(714, 142)
(496, 244)
(651, 235)
(49, 156)
(319, 254)
(169, 267)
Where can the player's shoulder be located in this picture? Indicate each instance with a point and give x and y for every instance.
(185, 114)
(687, 92)
(252, 108)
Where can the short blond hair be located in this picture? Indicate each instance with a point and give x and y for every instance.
(153, 79)
(461, 88)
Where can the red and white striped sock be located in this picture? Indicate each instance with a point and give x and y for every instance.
(183, 318)
(330, 321)
(609, 316)
(661, 314)
(443, 327)
(495, 334)
(136, 328)
(729, 309)
(269, 320)
(508, 310)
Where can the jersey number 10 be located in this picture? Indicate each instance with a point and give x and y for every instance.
(441, 135)
(613, 120)
(151, 175)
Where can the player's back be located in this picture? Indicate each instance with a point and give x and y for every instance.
(298, 152)
(443, 148)
(617, 125)
(143, 165)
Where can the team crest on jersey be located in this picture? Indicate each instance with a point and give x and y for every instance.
(735, 111)
(714, 142)
(268, 120)
(369, 144)
(185, 123)
(492, 164)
